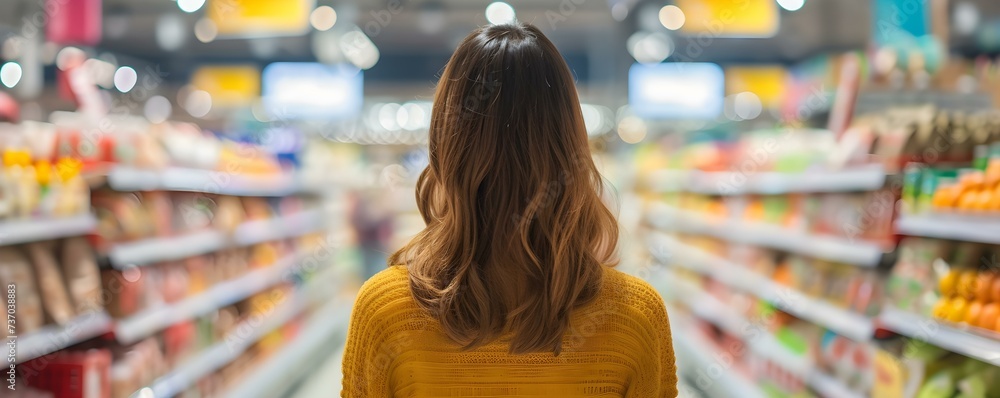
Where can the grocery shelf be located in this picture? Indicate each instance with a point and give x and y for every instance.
(124, 178)
(152, 250)
(301, 223)
(145, 323)
(760, 342)
(53, 338)
(963, 227)
(30, 230)
(695, 355)
(148, 251)
(861, 179)
(850, 251)
(942, 334)
(845, 323)
(224, 352)
(288, 366)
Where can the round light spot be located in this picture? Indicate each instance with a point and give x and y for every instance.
(388, 116)
(157, 109)
(632, 130)
(966, 18)
(323, 18)
(190, 5)
(747, 105)
(10, 74)
(205, 30)
(499, 13)
(125, 78)
(619, 11)
(70, 57)
(671, 17)
(791, 5)
(198, 103)
(170, 32)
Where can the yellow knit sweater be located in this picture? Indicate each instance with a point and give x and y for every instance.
(617, 346)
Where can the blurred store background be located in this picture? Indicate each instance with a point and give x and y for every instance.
(191, 191)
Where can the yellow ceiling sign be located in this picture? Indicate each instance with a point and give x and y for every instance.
(260, 17)
(727, 18)
(229, 86)
(768, 82)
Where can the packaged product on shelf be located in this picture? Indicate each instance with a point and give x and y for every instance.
(15, 269)
(83, 277)
(912, 368)
(70, 374)
(58, 307)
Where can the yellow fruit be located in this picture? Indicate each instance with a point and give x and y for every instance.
(966, 284)
(947, 283)
(959, 307)
(940, 310)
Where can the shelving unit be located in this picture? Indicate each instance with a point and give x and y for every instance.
(942, 334)
(53, 338)
(124, 178)
(149, 251)
(862, 179)
(761, 343)
(145, 323)
(850, 251)
(220, 354)
(13, 232)
(279, 373)
(963, 227)
(848, 324)
(696, 355)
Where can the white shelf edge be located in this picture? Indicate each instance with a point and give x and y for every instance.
(124, 178)
(152, 250)
(941, 334)
(17, 231)
(219, 354)
(279, 372)
(145, 323)
(53, 338)
(853, 326)
(845, 250)
(257, 231)
(862, 179)
(955, 227)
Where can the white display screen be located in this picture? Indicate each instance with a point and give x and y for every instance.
(308, 90)
(676, 90)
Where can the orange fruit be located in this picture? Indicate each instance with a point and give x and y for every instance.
(958, 308)
(973, 313)
(984, 282)
(966, 285)
(967, 200)
(945, 197)
(995, 290)
(988, 317)
(946, 285)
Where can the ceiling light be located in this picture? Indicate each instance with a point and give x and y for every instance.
(125, 78)
(791, 5)
(190, 5)
(10, 74)
(323, 18)
(672, 17)
(499, 13)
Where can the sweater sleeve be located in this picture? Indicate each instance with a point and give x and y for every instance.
(668, 367)
(365, 373)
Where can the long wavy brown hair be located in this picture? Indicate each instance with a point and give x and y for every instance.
(517, 234)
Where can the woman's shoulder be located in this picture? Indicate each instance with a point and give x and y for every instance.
(622, 289)
(388, 290)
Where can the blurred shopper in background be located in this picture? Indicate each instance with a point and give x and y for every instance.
(509, 289)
